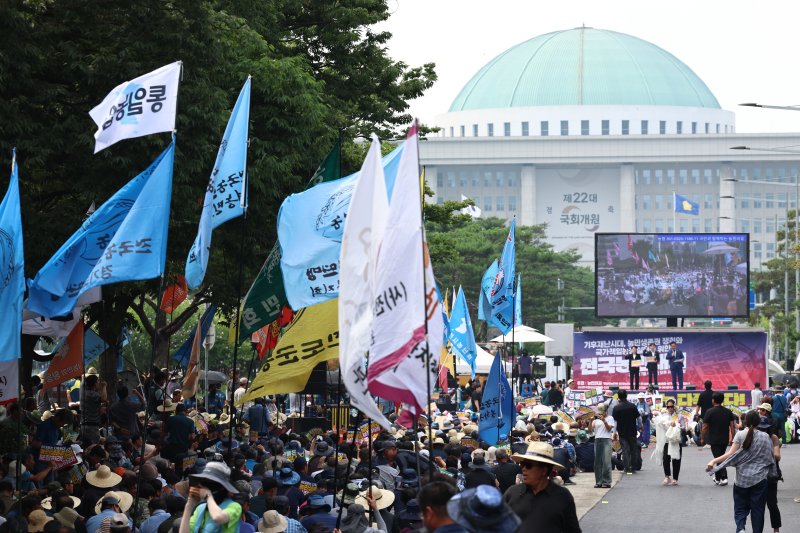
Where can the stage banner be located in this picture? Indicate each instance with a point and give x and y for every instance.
(723, 357)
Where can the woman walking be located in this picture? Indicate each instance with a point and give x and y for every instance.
(772, 480)
(752, 455)
(669, 429)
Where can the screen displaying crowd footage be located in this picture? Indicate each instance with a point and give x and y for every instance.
(671, 274)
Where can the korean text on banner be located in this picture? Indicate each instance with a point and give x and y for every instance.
(403, 361)
(266, 296)
(311, 338)
(9, 381)
(310, 227)
(226, 192)
(125, 239)
(361, 240)
(12, 269)
(68, 361)
(138, 107)
(497, 405)
(501, 293)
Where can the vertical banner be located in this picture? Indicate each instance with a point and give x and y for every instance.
(9, 381)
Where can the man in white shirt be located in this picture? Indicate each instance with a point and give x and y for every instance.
(238, 394)
(756, 395)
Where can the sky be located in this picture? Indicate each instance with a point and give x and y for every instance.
(743, 51)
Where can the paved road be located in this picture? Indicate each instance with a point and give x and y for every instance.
(639, 503)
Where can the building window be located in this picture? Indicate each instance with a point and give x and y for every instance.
(696, 176)
(490, 130)
(507, 129)
(708, 127)
(500, 206)
(477, 200)
(626, 126)
(694, 128)
(476, 179)
(645, 201)
(501, 179)
(512, 203)
(525, 131)
(605, 126)
(770, 250)
(512, 179)
(745, 226)
(451, 131)
(565, 127)
(757, 200)
(439, 180)
(708, 176)
(756, 225)
(487, 179)
(584, 127)
(695, 225)
(545, 128)
(707, 199)
(659, 201)
(708, 225)
(647, 225)
(462, 179)
(440, 200)
(659, 176)
(684, 226)
(770, 225)
(684, 176)
(487, 203)
(659, 225)
(451, 179)
(769, 199)
(670, 225)
(745, 203)
(463, 131)
(644, 127)
(671, 176)
(717, 128)
(679, 127)
(474, 130)
(662, 127)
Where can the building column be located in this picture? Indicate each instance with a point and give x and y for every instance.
(527, 195)
(727, 199)
(627, 199)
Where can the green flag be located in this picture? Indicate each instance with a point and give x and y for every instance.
(266, 297)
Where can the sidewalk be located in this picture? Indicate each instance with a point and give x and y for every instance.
(640, 502)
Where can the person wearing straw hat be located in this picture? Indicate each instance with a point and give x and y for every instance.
(538, 501)
(209, 507)
(95, 485)
(273, 522)
(111, 503)
(356, 521)
(37, 520)
(481, 510)
(316, 512)
(68, 517)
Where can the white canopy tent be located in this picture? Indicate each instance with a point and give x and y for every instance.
(483, 363)
(522, 333)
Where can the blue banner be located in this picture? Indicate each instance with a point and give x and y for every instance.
(226, 193)
(181, 356)
(462, 337)
(501, 295)
(93, 346)
(12, 269)
(518, 302)
(310, 226)
(497, 406)
(125, 239)
(484, 306)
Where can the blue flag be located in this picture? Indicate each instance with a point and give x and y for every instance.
(484, 306)
(497, 406)
(310, 226)
(518, 302)
(226, 193)
(125, 239)
(93, 346)
(181, 356)
(501, 293)
(462, 337)
(684, 205)
(12, 269)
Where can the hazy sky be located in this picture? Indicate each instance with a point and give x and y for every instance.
(744, 51)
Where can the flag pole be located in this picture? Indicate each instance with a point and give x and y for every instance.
(238, 308)
(349, 462)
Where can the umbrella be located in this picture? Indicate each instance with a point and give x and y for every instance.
(719, 249)
(741, 268)
(522, 334)
(785, 379)
(214, 377)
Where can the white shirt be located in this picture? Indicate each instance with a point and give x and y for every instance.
(756, 395)
(237, 396)
(599, 429)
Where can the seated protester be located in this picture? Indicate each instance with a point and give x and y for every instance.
(316, 512)
(288, 480)
(175, 507)
(259, 503)
(95, 485)
(506, 471)
(109, 505)
(248, 520)
(562, 456)
(356, 521)
(584, 452)
(158, 513)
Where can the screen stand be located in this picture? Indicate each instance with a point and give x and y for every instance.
(672, 322)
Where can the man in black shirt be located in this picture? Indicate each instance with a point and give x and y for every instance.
(704, 403)
(719, 427)
(506, 471)
(542, 505)
(626, 415)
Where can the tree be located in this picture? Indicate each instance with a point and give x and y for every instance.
(317, 69)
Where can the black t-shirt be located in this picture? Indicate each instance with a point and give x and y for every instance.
(506, 475)
(718, 419)
(704, 402)
(626, 414)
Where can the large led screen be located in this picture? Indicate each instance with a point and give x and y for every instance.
(653, 275)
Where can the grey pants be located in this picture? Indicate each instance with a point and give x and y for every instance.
(602, 461)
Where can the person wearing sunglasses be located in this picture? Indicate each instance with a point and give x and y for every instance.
(541, 504)
(669, 427)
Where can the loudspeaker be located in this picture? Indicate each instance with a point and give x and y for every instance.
(317, 381)
(557, 360)
(733, 387)
(307, 423)
(689, 386)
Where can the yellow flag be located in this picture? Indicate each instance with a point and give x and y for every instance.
(311, 338)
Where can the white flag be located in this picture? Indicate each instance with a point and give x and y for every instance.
(472, 210)
(138, 107)
(405, 298)
(363, 231)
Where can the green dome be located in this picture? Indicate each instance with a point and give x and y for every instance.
(584, 66)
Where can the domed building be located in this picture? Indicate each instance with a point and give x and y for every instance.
(590, 130)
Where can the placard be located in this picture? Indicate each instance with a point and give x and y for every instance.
(188, 462)
(469, 442)
(62, 456)
(307, 487)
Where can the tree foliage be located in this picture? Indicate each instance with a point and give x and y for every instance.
(461, 252)
(318, 71)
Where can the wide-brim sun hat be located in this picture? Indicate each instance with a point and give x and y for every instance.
(67, 516)
(383, 498)
(287, 476)
(47, 503)
(218, 473)
(765, 406)
(37, 520)
(167, 406)
(356, 519)
(125, 500)
(103, 478)
(481, 509)
(540, 452)
(273, 522)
